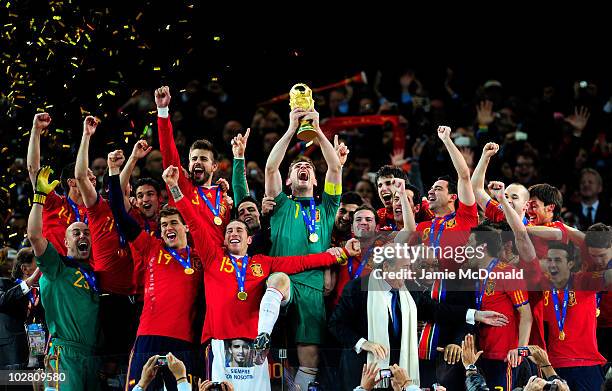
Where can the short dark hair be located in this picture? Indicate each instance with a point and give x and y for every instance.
(549, 195)
(148, 181)
(247, 199)
(485, 233)
(169, 211)
(249, 232)
(205, 145)
(598, 235)
(24, 256)
(367, 207)
(452, 185)
(568, 247)
(67, 173)
(300, 159)
(389, 171)
(351, 197)
(416, 194)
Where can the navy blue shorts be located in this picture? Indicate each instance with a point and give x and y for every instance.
(582, 378)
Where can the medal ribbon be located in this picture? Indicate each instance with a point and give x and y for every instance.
(75, 209)
(434, 241)
(362, 263)
(240, 273)
(184, 263)
(480, 291)
(560, 313)
(89, 276)
(428, 341)
(311, 221)
(214, 209)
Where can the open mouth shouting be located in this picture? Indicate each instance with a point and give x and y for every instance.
(234, 241)
(171, 236)
(83, 247)
(386, 197)
(147, 206)
(303, 175)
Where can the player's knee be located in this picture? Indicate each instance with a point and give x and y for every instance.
(279, 281)
(308, 355)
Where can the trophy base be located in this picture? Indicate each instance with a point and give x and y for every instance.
(306, 133)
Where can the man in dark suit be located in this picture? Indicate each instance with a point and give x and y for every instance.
(440, 343)
(591, 209)
(353, 319)
(16, 295)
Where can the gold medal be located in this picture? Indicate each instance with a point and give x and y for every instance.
(218, 220)
(562, 335)
(189, 270)
(597, 313)
(242, 296)
(313, 237)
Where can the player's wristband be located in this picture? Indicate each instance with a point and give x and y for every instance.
(163, 112)
(343, 257)
(39, 198)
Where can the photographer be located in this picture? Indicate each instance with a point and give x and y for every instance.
(176, 366)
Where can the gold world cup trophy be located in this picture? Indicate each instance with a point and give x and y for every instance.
(301, 96)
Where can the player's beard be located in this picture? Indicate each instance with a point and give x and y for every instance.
(200, 182)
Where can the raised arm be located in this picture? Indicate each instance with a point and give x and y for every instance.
(87, 189)
(464, 186)
(478, 176)
(523, 242)
(334, 166)
(273, 178)
(398, 185)
(187, 210)
(167, 146)
(40, 123)
(140, 150)
(240, 186)
(42, 187)
(125, 223)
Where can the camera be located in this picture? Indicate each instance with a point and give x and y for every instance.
(161, 361)
(550, 386)
(386, 373)
(215, 386)
(314, 386)
(523, 351)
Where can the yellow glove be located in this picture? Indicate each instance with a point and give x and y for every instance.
(43, 187)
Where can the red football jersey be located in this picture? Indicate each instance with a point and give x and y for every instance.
(532, 277)
(503, 296)
(169, 294)
(456, 232)
(605, 310)
(227, 316)
(57, 217)
(344, 277)
(386, 222)
(171, 157)
(541, 245)
(494, 211)
(579, 347)
(149, 226)
(111, 262)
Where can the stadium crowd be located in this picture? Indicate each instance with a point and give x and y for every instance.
(201, 255)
